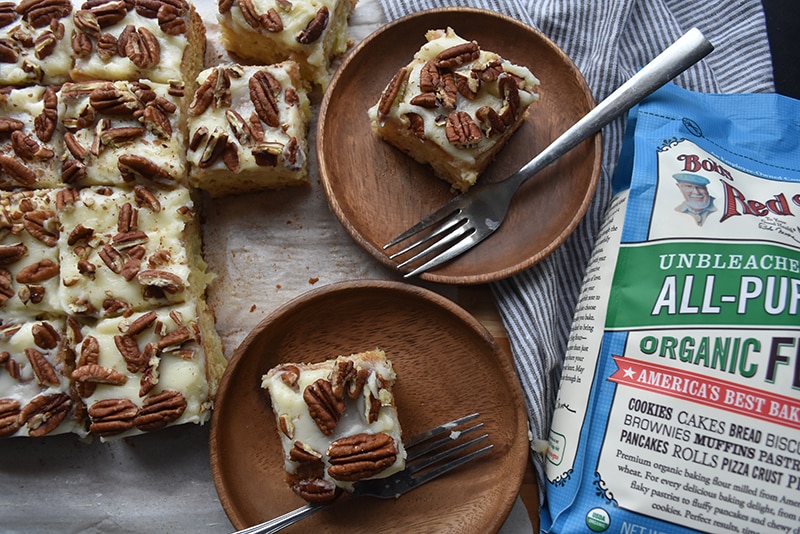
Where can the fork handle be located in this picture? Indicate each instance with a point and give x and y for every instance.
(682, 54)
(283, 521)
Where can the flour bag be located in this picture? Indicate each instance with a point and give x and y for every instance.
(679, 404)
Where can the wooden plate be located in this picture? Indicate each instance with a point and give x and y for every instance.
(377, 192)
(447, 365)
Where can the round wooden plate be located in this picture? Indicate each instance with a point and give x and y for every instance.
(377, 192)
(447, 365)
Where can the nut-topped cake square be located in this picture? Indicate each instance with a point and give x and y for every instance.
(247, 129)
(454, 106)
(309, 32)
(337, 422)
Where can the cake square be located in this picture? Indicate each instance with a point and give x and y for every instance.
(337, 421)
(35, 387)
(454, 106)
(126, 250)
(309, 32)
(148, 370)
(158, 40)
(247, 129)
(29, 258)
(30, 142)
(35, 47)
(119, 133)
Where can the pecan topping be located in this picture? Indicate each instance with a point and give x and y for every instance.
(490, 121)
(324, 407)
(428, 77)
(9, 417)
(66, 197)
(175, 338)
(44, 413)
(132, 166)
(27, 148)
(249, 13)
(300, 452)
(161, 409)
(7, 52)
(140, 46)
(12, 253)
(7, 14)
(145, 197)
(36, 223)
(286, 426)
(511, 105)
(90, 351)
(110, 100)
(6, 290)
(468, 86)
(114, 137)
(45, 335)
(107, 12)
(343, 371)
(112, 258)
(166, 281)
(395, 89)
(263, 88)
(316, 490)
(38, 272)
(204, 94)
(239, 126)
(72, 171)
(425, 100)
(39, 13)
(157, 121)
(417, 125)
(129, 349)
(457, 55)
(86, 22)
(361, 456)
(315, 27)
(225, 6)
(271, 21)
(44, 124)
(107, 46)
(142, 323)
(461, 130)
(448, 92)
(45, 373)
(8, 125)
(150, 375)
(17, 171)
(97, 374)
(112, 416)
(289, 375)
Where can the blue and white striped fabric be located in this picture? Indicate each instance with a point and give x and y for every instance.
(609, 40)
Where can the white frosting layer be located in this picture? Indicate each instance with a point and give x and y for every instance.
(52, 68)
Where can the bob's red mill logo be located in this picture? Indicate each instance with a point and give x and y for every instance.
(735, 202)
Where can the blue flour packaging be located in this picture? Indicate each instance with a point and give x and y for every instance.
(679, 405)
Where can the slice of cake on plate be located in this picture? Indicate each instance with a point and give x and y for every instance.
(337, 422)
(247, 129)
(309, 32)
(454, 106)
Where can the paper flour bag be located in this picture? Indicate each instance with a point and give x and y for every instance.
(679, 406)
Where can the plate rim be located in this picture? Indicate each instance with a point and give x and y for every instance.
(434, 275)
(409, 290)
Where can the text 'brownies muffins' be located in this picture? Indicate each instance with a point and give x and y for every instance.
(454, 106)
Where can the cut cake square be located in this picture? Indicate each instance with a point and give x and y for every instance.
(454, 106)
(325, 411)
(310, 32)
(247, 129)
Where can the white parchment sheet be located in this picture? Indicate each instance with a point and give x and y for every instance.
(266, 249)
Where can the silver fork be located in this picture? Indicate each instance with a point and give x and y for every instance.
(429, 455)
(471, 217)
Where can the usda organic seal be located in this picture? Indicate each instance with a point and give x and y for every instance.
(597, 520)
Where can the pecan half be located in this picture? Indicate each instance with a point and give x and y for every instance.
(37, 223)
(112, 416)
(166, 281)
(324, 407)
(263, 88)
(511, 105)
(175, 338)
(490, 121)
(107, 12)
(457, 55)
(97, 374)
(8, 53)
(7, 14)
(461, 130)
(132, 166)
(140, 46)
(45, 336)
(86, 23)
(161, 409)
(315, 27)
(45, 373)
(316, 490)
(416, 124)
(12, 253)
(8, 125)
(361, 456)
(142, 323)
(90, 351)
(37, 272)
(112, 100)
(135, 359)
(144, 197)
(9, 417)
(39, 13)
(44, 124)
(44, 413)
(17, 170)
(394, 89)
(27, 148)
(107, 46)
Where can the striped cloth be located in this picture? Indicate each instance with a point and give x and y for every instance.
(609, 40)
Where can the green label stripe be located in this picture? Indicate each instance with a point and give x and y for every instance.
(705, 283)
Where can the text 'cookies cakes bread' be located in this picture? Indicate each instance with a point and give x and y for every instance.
(454, 106)
(310, 32)
(247, 129)
(337, 421)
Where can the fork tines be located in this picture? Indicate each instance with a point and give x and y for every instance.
(425, 467)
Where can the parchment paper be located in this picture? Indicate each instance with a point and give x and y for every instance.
(266, 249)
